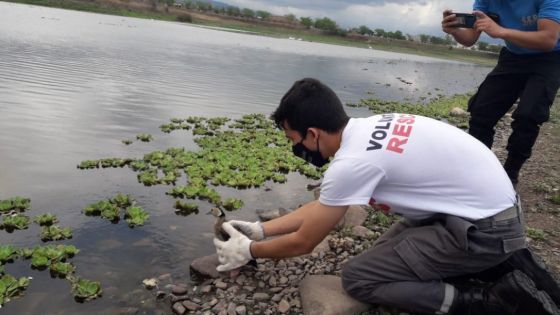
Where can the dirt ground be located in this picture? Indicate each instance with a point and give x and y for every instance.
(539, 187)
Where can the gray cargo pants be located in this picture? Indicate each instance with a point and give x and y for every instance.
(406, 266)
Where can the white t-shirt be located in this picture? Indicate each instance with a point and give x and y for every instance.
(415, 166)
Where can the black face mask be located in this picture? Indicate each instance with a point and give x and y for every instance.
(313, 157)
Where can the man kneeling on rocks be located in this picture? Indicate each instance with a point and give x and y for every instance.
(459, 208)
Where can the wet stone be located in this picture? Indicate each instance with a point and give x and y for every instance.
(284, 306)
(231, 309)
(179, 289)
(220, 284)
(241, 310)
(206, 289)
(261, 296)
(178, 308)
(191, 306)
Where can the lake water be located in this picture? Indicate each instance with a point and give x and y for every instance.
(73, 85)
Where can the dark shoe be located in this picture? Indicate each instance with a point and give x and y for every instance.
(512, 167)
(515, 293)
(534, 267)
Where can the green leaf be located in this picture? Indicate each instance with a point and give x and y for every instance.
(7, 252)
(86, 289)
(136, 216)
(45, 219)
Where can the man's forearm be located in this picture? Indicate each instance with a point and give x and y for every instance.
(538, 40)
(287, 223)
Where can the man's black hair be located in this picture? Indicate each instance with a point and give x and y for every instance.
(310, 103)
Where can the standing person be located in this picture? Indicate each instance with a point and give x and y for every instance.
(528, 69)
(459, 208)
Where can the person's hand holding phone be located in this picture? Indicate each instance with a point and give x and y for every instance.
(449, 22)
(487, 25)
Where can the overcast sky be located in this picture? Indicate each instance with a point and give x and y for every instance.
(409, 16)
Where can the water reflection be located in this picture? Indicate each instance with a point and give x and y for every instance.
(73, 85)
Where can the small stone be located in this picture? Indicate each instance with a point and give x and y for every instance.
(178, 308)
(272, 281)
(261, 296)
(179, 289)
(191, 306)
(241, 310)
(213, 302)
(276, 298)
(240, 279)
(284, 306)
(249, 288)
(283, 280)
(275, 289)
(231, 309)
(220, 284)
(150, 283)
(206, 289)
(128, 311)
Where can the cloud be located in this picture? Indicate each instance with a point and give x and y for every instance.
(408, 16)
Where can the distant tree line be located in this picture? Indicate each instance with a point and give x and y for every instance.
(325, 24)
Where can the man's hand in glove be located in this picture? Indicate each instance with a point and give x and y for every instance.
(253, 230)
(234, 252)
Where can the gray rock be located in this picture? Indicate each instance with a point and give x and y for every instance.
(231, 309)
(190, 305)
(205, 267)
(179, 289)
(458, 112)
(220, 284)
(206, 289)
(356, 215)
(267, 215)
(323, 246)
(324, 295)
(284, 306)
(178, 308)
(362, 231)
(261, 296)
(241, 310)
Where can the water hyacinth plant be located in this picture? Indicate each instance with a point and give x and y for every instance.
(7, 253)
(55, 233)
(144, 137)
(15, 222)
(244, 153)
(113, 208)
(11, 287)
(15, 204)
(45, 219)
(85, 290)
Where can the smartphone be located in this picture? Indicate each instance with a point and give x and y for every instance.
(465, 20)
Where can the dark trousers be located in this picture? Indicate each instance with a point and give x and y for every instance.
(408, 266)
(534, 80)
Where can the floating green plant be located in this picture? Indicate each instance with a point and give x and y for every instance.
(62, 269)
(122, 200)
(111, 210)
(84, 289)
(184, 208)
(55, 233)
(127, 142)
(15, 222)
(11, 287)
(7, 252)
(232, 204)
(136, 216)
(246, 153)
(15, 204)
(144, 137)
(45, 219)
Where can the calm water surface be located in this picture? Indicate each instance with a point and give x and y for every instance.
(73, 85)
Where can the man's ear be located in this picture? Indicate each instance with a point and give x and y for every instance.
(314, 132)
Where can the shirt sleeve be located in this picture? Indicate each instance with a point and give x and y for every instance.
(550, 9)
(481, 5)
(349, 182)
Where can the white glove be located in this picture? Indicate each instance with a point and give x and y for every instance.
(253, 230)
(235, 252)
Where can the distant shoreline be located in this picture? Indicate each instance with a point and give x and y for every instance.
(225, 23)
